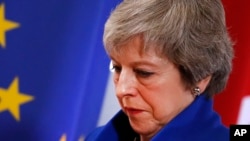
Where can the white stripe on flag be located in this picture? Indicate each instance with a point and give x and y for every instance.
(110, 104)
(244, 114)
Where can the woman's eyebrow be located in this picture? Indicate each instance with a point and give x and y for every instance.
(143, 63)
(112, 59)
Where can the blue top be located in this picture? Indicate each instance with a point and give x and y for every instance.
(198, 122)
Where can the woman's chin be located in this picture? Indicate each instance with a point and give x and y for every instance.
(144, 128)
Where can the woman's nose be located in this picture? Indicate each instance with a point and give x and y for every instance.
(126, 84)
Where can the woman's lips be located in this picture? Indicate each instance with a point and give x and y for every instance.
(133, 111)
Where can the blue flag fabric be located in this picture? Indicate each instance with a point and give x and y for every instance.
(53, 68)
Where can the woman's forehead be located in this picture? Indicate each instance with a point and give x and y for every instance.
(135, 45)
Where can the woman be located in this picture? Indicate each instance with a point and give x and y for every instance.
(169, 58)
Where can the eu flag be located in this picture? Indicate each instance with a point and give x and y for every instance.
(53, 68)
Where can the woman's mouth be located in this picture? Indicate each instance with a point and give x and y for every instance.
(133, 111)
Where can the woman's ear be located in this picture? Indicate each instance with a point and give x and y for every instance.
(203, 83)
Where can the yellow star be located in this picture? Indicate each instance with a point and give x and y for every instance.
(11, 99)
(5, 25)
(81, 138)
(64, 138)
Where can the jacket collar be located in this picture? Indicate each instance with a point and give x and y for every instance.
(198, 117)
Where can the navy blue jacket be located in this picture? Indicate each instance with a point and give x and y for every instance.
(198, 122)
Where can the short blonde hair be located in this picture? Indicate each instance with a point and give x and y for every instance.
(190, 33)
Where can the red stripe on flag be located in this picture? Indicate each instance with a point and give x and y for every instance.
(238, 22)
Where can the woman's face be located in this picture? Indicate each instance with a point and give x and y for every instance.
(149, 88)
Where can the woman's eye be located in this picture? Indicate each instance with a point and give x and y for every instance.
(143, 73)
(116, 69)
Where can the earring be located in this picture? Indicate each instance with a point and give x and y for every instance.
(196, 91)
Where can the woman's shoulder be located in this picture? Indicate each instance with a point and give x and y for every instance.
(219, 133)
(212, 130)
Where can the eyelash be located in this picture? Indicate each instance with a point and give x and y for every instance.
(140, 73)
(143, 73)
(116, 69)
